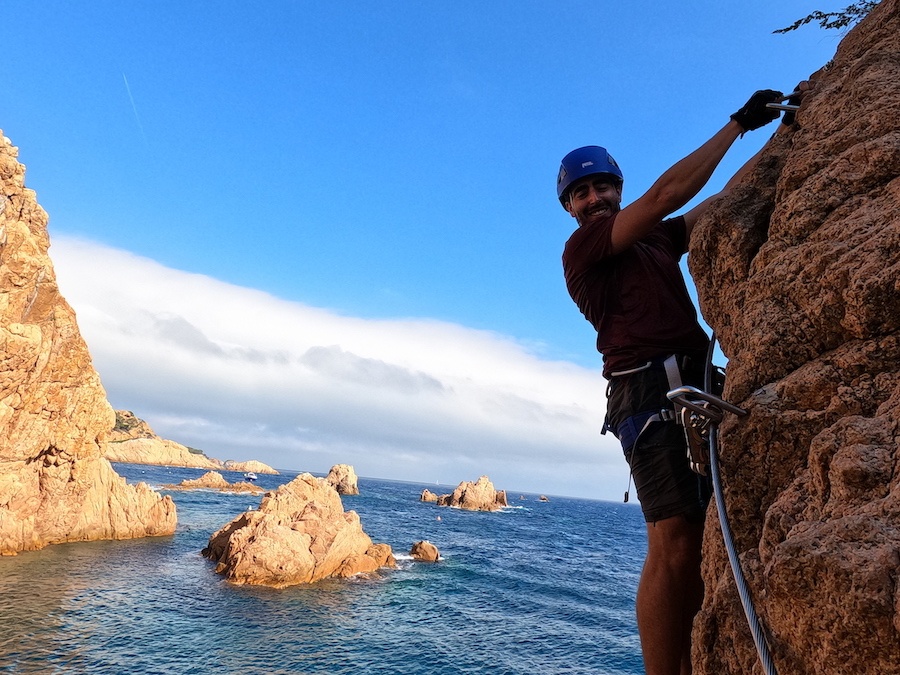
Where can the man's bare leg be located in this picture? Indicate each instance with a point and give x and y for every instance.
(669, 595)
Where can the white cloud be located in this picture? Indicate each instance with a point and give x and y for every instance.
(244, 375)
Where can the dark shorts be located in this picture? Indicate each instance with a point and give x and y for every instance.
(666, 485)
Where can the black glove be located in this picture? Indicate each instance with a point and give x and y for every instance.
(788, 117)
(755, 114)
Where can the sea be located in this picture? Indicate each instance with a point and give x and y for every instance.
(538, 587)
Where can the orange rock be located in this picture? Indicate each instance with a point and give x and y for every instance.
(55, 484)
(213, 480)
(342, 478)
(300, 534)
(425, 551)
(797, 272)
(478, 496)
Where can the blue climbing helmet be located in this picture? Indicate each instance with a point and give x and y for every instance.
(583, 162)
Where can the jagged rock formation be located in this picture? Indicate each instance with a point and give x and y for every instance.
(133, 441)
(342, 478)
(425, 551)
(55, 484)
(300, 534)
(213, 480)
(477, 496)
(428, 496)
(799, 274)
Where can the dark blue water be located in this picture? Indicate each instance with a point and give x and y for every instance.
(536, 588)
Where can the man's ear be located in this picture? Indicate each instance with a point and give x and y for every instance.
(568, 207)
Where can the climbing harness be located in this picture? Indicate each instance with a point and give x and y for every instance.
(633, 428)
(700, 413)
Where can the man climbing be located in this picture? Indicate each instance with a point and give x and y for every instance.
(621, 269)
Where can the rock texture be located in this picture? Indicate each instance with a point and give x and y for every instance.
(133, 441)
(342, 478)
(55, 484)
(300, 534)
(213, 480)
(799, 274)
(428, 496)
(477, 496)
(425, 551)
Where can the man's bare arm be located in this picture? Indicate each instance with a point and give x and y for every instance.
(675, 188)
(681, 183)
(692, 216)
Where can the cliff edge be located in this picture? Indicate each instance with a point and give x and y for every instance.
(55, 484)
(798, 272)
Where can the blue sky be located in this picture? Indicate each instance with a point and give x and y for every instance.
(387, 166)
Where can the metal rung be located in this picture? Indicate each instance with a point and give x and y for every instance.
(680, 396)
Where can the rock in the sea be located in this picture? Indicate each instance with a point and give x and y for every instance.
(213, 480)
(428, 496)
(55, 484)
(477, 496)
(342, 478)
(425, 551)
(798, 271)
(300, 534)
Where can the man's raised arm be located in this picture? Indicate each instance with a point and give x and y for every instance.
(679, 184)
(692, 216)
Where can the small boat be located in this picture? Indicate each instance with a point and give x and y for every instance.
(250, 476)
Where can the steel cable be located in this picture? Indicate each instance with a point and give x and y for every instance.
(756, 628)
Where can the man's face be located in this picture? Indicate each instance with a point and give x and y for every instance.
(594, 198)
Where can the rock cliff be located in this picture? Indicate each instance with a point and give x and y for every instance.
(300, 534)
(55, 484)
(798, 272)
(133, 441)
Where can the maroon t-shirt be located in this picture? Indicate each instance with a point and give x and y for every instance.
(636, 300)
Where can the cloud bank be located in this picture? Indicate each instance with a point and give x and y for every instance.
(241, 374)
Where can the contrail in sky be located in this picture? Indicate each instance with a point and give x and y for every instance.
(134, 107)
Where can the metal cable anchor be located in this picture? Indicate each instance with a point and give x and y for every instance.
(697, 412)
(714, 411)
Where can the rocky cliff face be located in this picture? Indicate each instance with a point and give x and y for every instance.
(55, 485)
(799, 274)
